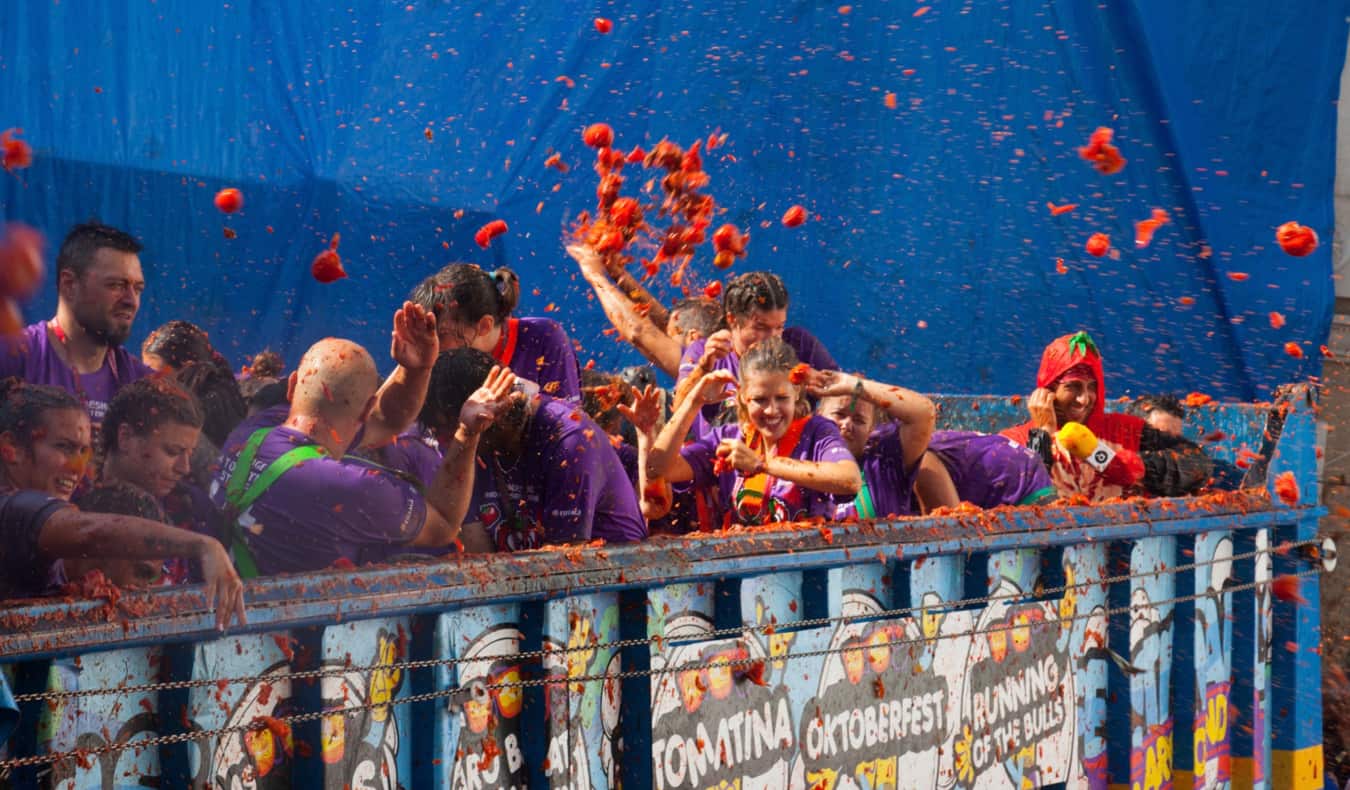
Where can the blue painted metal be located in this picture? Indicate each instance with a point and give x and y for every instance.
(1039, 688)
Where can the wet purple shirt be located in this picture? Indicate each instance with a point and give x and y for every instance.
(537, 349)
(24, 571)
(416, 455)
(889, 484)
(568, 485)
(820, 441)
(990, 470)
(808, 348)
(319, 511)
(32, 357)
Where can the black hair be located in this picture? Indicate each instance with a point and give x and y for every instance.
(455, 377)
(464, 293)
(222, 404)
(147, 404)
(179, 343)
(122, 499)
(600, 394)
(261, 394)
(1168, 404)
(699, 313)
(754, 291)
(23, 406)
(87, 238)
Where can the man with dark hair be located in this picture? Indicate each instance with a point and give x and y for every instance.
(1163, 412)
(99, 285)
(545, 472)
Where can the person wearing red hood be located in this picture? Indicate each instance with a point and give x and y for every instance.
(1118, 453)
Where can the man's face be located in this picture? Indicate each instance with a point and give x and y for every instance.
(106, 299)
(158, 460)
(855, 417)
(1167, 423)
(1074, 400)
(759, 325)
(56, 461)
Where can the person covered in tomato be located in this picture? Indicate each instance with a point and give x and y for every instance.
(777, 462)
(891, 431)
(1092, 453)
(755, 305)
(546, 473)
(473, 308)
(44, 449)
(80, 349)
(293, 501)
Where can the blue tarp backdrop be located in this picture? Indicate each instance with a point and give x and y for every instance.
(933, 211)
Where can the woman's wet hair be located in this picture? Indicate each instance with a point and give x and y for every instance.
(266, 364)
(122, 499)
(24, 406)
(146, 405)
(771, 355)
(754, 291)
(222, 404)
(179, 343)
(700, 314)
(464, 293)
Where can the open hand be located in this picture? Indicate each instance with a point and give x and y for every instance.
(414, 345)
(645, 413)
(712, 387)
(487, 401)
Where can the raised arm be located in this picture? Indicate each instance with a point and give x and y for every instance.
(414, 347)
(645, 415)
(450, 493)
(916, 414)
(664, 459)
(71, 533)
(643, 332)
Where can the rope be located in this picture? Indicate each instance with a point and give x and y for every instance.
(477, 689)
(533, 655)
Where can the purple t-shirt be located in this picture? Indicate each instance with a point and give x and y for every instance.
(24, 571)
(32, 357)
(819, 441)
(991, 470)
(808, 348)
(568, 485)
(319, 511)
(887, 482)
(538, 350)
(415, 455)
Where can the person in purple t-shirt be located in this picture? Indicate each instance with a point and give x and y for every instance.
(99, 285)
(756, 308)
(150, 434)
(294, 503)
(547, 472)
(778, 462)
(904, 457)
(473, 308)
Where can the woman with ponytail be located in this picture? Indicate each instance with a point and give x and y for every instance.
(473, 308)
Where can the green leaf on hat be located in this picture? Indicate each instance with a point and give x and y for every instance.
(1081, 344)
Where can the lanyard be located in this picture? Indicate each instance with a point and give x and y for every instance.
(238, 498)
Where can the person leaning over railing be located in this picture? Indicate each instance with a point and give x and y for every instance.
(546, 473)
(292, 502)
(1090, 452)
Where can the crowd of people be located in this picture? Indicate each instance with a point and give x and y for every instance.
(168, 468)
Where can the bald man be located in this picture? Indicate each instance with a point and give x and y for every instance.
(294, 501)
